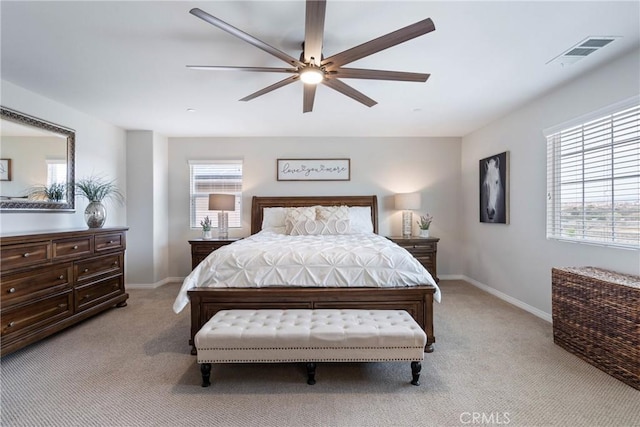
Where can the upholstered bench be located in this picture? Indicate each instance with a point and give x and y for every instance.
(322, 335)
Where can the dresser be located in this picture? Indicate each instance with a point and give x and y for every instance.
(424, 249)
(50, 281)
(200, 248)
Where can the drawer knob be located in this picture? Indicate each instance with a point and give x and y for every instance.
(75, 247)
(26, 255)
(111, 242)
(86, 270)
(62, 305)
(61, 277)
(115, 262)
(11, 324)
(12, 290)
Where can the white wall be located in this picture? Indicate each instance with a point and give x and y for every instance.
(380, 166)
(100, 150)
(516, 259)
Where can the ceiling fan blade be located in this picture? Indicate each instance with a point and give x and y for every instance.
(381, 43)
(257, 69)
(268, 89)
(244, 36)
(314, 30)
(357, 73)
(345, 89)
(308, 98)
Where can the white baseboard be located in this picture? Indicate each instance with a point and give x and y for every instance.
(154, 285)
(511, 300)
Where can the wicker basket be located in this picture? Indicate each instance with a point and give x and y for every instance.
(596, 316)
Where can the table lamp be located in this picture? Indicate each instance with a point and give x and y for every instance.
(407, 202)
(222, 203)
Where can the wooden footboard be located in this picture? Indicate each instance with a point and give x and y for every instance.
(417, 301)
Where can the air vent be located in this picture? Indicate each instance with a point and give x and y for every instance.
(584, 48)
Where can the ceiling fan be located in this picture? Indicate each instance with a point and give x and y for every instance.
(312, 67)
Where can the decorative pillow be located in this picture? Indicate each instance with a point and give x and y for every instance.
(320, 227)
(296, 215)
(360, 219)
(326, 213)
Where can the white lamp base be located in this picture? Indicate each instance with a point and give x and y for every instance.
(407, 220)
(223, 225)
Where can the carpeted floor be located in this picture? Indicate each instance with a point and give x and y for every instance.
(494, 364)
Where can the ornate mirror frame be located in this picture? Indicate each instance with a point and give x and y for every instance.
(38, 206)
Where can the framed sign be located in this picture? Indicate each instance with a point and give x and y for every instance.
(5, 169)
(314, 169)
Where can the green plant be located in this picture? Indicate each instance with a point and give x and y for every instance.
(52, 193)
(206, 223)
(96, 189)
(425, 221)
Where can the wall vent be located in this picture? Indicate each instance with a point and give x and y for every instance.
(582, 49)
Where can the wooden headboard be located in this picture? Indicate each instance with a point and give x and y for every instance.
(259, 203)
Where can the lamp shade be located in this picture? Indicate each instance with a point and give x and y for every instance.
(408, 201)
(222, 202)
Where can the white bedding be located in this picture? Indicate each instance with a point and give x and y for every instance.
(272, 259)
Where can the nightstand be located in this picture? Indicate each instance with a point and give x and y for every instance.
(423, 249)
(200, 248)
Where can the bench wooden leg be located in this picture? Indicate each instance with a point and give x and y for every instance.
(205, 368)
(416, 367)
(311, 373)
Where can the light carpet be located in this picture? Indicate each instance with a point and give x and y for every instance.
(494, 364)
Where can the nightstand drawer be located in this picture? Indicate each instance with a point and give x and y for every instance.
(415, 247)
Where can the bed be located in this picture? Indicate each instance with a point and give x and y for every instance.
(416, 299)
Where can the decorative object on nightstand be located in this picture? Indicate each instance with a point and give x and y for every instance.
(206, 228)
(200, 248)
(407, 202)
(222, 203)
(424, 250)
(424, 224)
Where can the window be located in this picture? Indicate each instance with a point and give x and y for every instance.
(56, 172)
(593, 179)
(214, 176)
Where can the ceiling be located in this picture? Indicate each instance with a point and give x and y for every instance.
(124, 62)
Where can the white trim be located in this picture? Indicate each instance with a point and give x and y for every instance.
(154, 285)
(526, 307)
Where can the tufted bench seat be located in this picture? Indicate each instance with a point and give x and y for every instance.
(306, 335)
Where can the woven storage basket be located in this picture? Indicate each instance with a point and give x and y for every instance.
(596, 316)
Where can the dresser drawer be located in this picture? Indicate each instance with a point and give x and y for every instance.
(97, 292)
(24, 255)
(18, 286)
(36, 314)
(92, 268)
(108, 242)
(69, 248)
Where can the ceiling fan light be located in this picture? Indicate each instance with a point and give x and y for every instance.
(311, 75)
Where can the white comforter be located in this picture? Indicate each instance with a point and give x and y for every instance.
(271, 259)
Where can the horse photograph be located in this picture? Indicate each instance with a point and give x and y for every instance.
(494, 190)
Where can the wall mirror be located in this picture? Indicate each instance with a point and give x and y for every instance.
(37, 164)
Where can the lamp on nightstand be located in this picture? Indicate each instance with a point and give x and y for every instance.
(222, 203)
(407, 202)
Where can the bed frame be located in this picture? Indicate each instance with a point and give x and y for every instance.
(417, 301)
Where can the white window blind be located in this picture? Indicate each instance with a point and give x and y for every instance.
(214, 176)
(593, 180)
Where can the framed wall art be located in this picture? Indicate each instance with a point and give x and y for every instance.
(5, 169)
(494, 189)
(314, 169)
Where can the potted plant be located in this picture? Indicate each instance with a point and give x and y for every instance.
(55, 192)
(97, 189)
(206, 228)
(424, 224)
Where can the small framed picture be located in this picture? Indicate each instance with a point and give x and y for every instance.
(5, 169)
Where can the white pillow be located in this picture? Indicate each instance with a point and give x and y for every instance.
(273, 219)
(320, 227)
(360, 219)
(326, 213)
(296, 215)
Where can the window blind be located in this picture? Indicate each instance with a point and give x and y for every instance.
(593, 180)
(214, 176)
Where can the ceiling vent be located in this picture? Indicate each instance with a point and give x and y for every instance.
(585, 48)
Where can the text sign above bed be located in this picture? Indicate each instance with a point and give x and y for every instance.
(314, 169)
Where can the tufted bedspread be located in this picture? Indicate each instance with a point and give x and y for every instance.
(270, 259)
